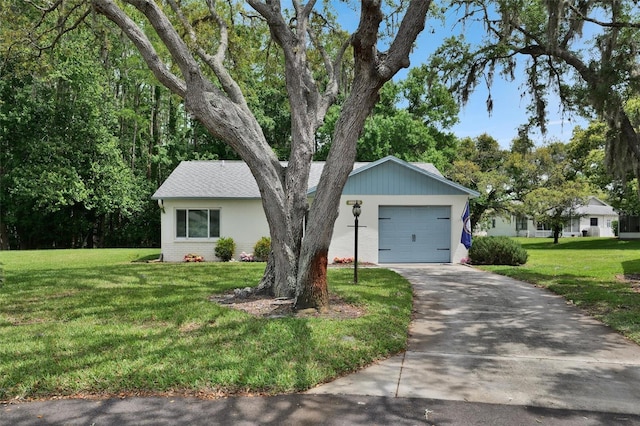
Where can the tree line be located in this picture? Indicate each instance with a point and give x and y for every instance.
(86, 142)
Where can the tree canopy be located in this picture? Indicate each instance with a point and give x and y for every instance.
(585, 52)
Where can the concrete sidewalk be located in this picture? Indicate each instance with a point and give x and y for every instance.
(481, 337)
(483, 350)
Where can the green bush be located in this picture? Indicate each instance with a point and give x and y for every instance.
(225, 248)
(497, 251)
(262, 249)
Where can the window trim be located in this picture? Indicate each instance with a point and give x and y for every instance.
(186, 226)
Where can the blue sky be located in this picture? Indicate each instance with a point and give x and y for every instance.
(509, 112)
(509, 108)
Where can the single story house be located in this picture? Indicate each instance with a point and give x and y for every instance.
(409, 211)
(594, 219)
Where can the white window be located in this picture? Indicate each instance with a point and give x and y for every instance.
(197, 223)
(522, 223)
(608, 223)
(543, 227)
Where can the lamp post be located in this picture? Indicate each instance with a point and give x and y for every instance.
(356, 213)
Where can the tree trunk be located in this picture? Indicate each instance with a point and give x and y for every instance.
(4, 236)
(154, 141)
(312, 281)
(371, 71)
(285, 265)
(268, 277)
(314, 292)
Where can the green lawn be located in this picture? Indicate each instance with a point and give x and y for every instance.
(586, 272)
(78, 322)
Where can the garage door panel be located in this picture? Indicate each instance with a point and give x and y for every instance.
(414, 234)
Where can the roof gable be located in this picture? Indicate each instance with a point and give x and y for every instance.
(593, 201)
(392, 176)
(596, 207)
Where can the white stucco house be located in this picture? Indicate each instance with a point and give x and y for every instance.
(594, 219)
(410, 212)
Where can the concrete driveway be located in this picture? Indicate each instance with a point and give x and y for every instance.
(480, 337)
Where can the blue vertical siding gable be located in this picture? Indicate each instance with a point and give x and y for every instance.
(393, 178)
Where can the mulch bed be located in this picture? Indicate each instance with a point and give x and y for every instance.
(269, 307)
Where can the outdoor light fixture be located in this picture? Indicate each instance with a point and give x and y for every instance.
(356, 210)
(356, 213)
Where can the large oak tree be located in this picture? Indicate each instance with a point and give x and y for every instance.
(185, 44)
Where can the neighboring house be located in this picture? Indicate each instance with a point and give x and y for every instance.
(410, 212)
(593, 219)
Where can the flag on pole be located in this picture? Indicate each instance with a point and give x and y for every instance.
(466, 228)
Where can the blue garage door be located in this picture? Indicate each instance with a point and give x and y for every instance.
(414, 234)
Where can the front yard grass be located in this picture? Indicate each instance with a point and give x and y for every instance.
(590, 273)
(102, 322)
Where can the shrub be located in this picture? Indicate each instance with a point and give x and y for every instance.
(497, 251)
(225, 248)
(262, 249)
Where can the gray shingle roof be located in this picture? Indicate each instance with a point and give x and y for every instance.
(596, 207)
(231, 179)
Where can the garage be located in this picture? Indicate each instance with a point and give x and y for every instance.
(409, 213)
(414, 234)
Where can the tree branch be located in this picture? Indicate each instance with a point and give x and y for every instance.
(333, 68)
(171, 39)
(412, 24)
(333, 87)
(51, 7)
(302, 88)
(215, 62)
(613, 24)
(60, 28)
(589, 76)
(142, 43)
(366, 35)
